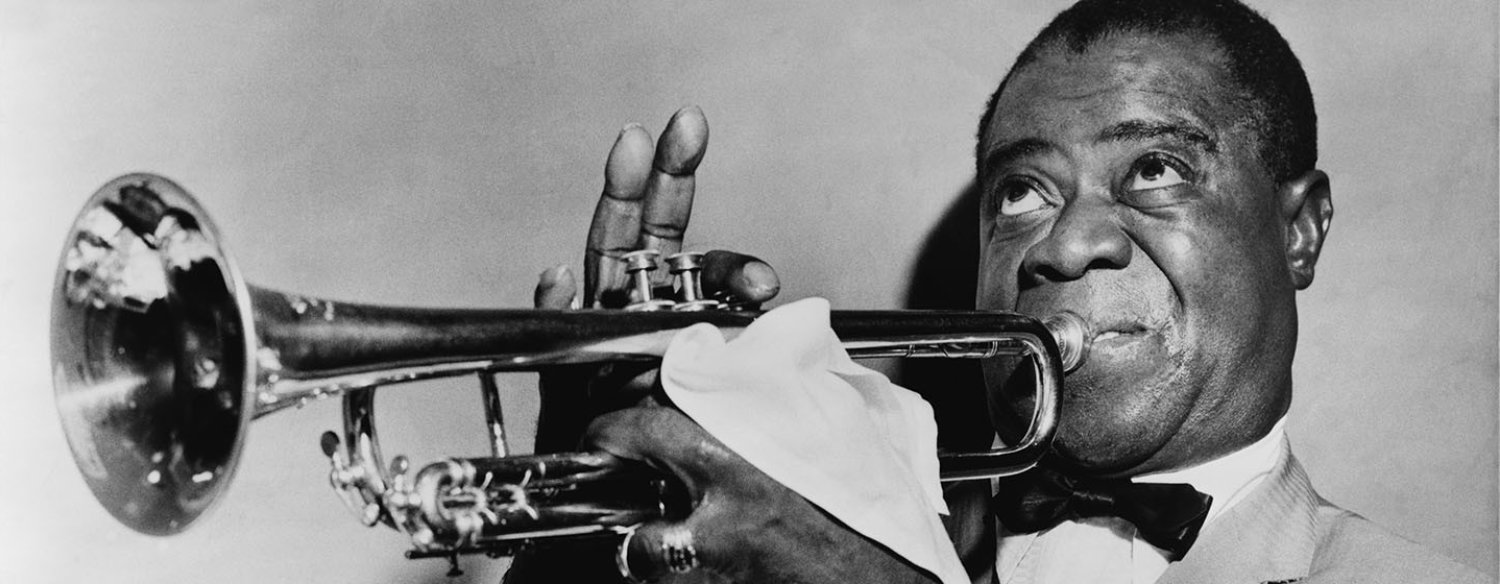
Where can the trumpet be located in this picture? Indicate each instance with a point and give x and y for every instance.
(162, 355)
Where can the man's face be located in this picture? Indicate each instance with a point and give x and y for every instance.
(1122, 184)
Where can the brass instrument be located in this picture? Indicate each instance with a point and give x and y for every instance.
(162, 355)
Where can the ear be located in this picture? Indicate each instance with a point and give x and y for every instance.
(1307, 209)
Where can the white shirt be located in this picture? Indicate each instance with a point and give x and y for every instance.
(1106, 549)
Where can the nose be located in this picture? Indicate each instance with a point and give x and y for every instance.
(1084, 237)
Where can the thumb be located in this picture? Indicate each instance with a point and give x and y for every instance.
(743, 278)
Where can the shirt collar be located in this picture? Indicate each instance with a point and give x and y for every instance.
(1230, 477)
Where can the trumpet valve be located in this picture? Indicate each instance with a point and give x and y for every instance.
(639, 264)
(688, 269)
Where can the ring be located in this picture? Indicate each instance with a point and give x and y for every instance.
(677, 549)
(622, 562)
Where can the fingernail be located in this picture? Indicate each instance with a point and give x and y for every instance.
(554, 274)
(628, 127)
(760, 280)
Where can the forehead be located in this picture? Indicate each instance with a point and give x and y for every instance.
(1065, 95)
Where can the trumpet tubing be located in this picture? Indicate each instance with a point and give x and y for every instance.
(162, 356)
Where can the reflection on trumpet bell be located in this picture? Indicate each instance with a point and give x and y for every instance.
(162, 355)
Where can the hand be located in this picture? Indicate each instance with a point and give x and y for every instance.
(743, 526)
(646, 204)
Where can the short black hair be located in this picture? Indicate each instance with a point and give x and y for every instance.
(1256, 57)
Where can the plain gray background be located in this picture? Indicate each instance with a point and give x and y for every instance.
(444, 154)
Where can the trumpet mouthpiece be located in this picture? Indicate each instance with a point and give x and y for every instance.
(1073, 337)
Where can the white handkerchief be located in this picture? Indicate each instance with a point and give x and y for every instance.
(786, 396)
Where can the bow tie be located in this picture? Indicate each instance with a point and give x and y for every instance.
(1167, 516)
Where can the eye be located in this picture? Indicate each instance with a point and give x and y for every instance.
(1018, 197)
(1155, 172)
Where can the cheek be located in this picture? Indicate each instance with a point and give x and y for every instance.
(999, 266)
(1221, 267)
(1177, 248)
(997, 284)
(1179, 256)
(1207, 259)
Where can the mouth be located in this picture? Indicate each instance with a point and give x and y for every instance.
(1121, 333)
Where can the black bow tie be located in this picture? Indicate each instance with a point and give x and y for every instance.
(1167, 516)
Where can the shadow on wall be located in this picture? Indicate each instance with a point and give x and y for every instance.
(944, 277)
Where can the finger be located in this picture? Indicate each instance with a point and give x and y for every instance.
(663, 438)
(660, 551)
(616, 227)
(739, 278)
(556, 288)
(669, 189)
(560, 419)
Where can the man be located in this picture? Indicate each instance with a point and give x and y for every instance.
(1151, 167)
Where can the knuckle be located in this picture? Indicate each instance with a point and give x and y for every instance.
(611, 252)
(662, 230)
(629, 425)
(608, 428)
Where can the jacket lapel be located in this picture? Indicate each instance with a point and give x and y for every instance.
(1270, 536)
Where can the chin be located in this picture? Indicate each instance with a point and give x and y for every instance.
(1091, 450)
(1116, 417)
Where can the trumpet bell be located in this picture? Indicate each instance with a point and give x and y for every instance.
(151, 353)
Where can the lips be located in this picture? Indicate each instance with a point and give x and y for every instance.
(1110, 323)
(1108, 336)
(1120, 332)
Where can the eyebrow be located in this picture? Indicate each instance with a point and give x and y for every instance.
(1015, 149)
(1128, 130)
(1140, 130)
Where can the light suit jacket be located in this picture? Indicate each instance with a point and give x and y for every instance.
(1282, 532)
